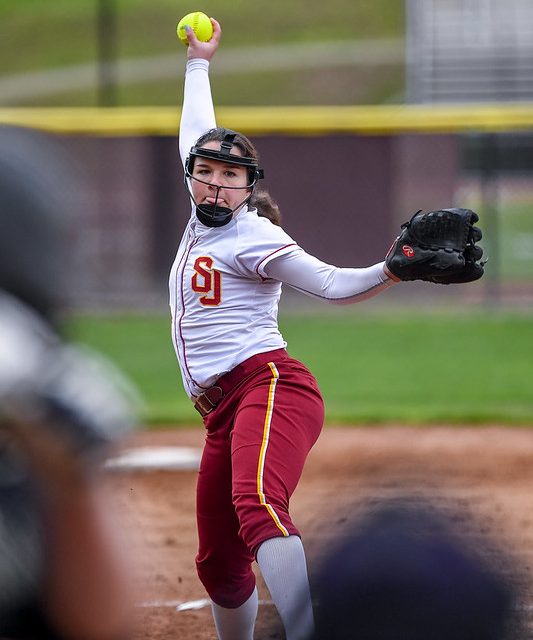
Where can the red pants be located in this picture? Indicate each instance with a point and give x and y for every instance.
(256, 444)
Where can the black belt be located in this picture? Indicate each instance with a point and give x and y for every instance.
(211, 398)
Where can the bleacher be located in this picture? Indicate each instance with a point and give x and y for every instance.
(469, 50)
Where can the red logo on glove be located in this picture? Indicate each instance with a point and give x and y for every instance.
(408, 251)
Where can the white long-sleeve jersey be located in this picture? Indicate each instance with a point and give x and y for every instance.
(225, 283)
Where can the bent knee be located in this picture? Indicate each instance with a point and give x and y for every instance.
(228, 585)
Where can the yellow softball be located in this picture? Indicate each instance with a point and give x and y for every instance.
(199, 23)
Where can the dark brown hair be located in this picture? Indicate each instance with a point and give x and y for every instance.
(266, 207)
(261, 199)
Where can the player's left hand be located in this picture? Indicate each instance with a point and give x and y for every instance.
(205, 50)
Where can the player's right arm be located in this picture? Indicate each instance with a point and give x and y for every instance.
(198, 113)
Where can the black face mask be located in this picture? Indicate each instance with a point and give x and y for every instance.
(216, 215)
(213, 215)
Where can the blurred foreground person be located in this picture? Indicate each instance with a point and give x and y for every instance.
(62, 572)
(404, 574)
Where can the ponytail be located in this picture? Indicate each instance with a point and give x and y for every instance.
(266, 207)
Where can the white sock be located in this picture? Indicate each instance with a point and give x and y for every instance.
(236, 624)
(282, 563)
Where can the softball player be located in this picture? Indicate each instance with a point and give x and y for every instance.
(262, 409)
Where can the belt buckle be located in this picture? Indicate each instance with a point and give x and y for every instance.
(208, 400)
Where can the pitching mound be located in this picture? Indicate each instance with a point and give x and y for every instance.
(483, 473)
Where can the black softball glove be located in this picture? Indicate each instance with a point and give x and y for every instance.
(439, 247)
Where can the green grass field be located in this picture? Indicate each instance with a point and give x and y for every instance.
(429, 368)
(46, 35)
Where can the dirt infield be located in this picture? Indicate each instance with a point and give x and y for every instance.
(487, 472)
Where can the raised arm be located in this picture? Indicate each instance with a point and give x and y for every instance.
(198, 114)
